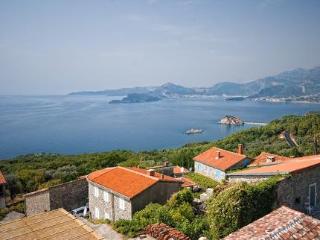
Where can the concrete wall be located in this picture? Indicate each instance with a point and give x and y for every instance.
(208, 171)
(108, 209)
(37, 202)
(68, 195)
(2, 197)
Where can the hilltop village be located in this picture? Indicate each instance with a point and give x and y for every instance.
(221, 194)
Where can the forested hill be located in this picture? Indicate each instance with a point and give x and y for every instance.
(31, 172)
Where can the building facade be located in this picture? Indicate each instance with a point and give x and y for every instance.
(215, 162)
(300, 186)
(117, 193)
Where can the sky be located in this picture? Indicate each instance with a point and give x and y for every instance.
(57, 47)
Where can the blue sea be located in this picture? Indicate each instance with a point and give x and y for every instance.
(82, 124)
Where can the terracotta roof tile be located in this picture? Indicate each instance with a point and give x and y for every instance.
(128, 182)
(2, 179)
(160, 176)
(226, 160)
(187, 182)
(281, 224)
(262, 159)
(179, 170)
(56, 224)
(292, 166)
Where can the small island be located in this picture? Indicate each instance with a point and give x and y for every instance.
(136, 98)
(231, 120)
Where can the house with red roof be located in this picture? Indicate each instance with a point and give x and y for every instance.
(118, 192)
(300, 186)
(266, 158)
(215, 162)
(2, 191)
(281, 224)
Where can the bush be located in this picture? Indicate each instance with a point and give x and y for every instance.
(240, 205)
(202, 181)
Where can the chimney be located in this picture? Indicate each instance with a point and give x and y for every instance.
(151, 172)
(162, 176)
(218, 155)
(270, 159)
(166, 163)
(240, 149)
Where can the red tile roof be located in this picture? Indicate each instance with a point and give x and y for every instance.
(2, 179)
(179, 170)
(292, 166)
(128, 182)
(161, 231)
(187, 182)
(281, 224)
(262, 159)
(226, 160)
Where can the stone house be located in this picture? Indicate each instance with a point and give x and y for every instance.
(118, 192)
(69, 195)
(2, 191)
(215, 162)
(281, 224)
(301, 184)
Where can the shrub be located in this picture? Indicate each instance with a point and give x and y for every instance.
(202, 181)
(183, 196)
(239, 205)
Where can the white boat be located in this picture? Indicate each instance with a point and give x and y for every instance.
(194, 131)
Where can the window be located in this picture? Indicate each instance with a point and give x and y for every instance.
(96, 213)
(106, 196)
(121, 204)
(96, 191)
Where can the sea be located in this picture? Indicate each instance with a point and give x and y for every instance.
(85, 124)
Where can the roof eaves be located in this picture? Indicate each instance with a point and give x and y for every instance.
(259, 174)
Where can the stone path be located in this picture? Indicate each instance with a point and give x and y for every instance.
(107, 232)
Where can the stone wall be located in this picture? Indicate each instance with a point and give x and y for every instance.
(158, 193)
(248, 179)
(37, 202)
(2, 196)
(108, 209)
(68, 195)
(294, 190)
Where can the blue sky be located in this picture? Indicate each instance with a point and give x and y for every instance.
(55, 47)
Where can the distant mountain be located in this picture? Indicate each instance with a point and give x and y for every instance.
(295, 83)
(116, 92)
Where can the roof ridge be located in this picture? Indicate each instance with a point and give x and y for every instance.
(235, 153)
(275, 234)
(111, 168)
(139, 173)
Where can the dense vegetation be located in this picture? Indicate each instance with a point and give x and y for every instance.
(230, 208)
(31, 172)
(178, 213)
(239, 205)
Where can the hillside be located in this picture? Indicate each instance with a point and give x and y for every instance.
(31, 172)
(295, 83)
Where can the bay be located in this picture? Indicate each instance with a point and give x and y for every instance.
(80, 124)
